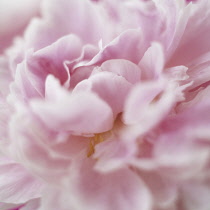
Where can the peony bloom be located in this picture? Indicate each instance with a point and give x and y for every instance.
(105, 105)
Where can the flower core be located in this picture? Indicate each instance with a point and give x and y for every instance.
(98, 138)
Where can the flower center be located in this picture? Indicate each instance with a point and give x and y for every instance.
(101, 137)
(98, 138)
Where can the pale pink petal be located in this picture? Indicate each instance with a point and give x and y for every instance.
(65, 17)
(22, 87)
(9, 206)
(17, 185)
(182, 146)
(121, 190)
(141, 96)
(193, 99)
(57, 198)
(80, 74)
(143, 14)
(31, 205)
(152, 63)
(178, 73)
(108, 86)
(49, 60)
(113, 154)
(88, 52)
(148, 103)
(195, 195)
(5, 113)
(177, 159)
(124, 68)
(69, 146)
(5, 76)
(164, 190)
(93, 116)
(129, 45)
(179, 21)
(194, 109)
(33, 147)
(199, 71)
(197, 32)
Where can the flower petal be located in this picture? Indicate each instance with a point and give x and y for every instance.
(59, 20)
(148, 103)
(110, 87)
(119, 190)
(17, 186)
(197, 32)
(152, 62)
(124, 68)
(31, 205)
(129, 45)
(81, 108)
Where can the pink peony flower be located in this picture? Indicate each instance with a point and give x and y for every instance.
(105, 105)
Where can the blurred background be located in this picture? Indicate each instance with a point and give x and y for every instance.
(14, 17)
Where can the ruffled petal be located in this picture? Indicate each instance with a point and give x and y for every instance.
(81, 108)
(152, 62)
(197, 32)
(32, 72)
(128, 45)
(110, 87)
(124, 68)
(148, 103)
